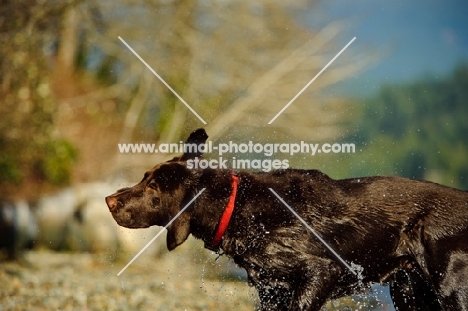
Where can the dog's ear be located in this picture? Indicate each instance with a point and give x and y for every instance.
(197, 138)
(178, 231)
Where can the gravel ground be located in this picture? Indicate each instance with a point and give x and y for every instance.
(61, 281)
(189, 278)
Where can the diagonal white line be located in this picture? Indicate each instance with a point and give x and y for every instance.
(160, 232)
(310, 82)
(315, 233)
(162, 80)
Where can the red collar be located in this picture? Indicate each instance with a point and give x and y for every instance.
(226, 217)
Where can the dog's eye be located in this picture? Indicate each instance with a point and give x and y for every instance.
(152, 184)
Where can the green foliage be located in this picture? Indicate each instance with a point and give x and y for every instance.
(31, 154)
(55, 164)
(418, 130)
(9, 170)
(105, 73)
(48, 161)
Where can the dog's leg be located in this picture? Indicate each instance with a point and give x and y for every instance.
(274, 296)
(411, 291)
(315, 285)
(454, 286)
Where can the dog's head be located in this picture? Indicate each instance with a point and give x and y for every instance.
(159, 196)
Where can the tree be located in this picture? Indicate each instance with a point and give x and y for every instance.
(32, 154)
(236, 63)
(419, 130)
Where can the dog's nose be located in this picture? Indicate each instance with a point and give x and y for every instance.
(111, 202)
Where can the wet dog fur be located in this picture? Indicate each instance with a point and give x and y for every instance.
(407, 233)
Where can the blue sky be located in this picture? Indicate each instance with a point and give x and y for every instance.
(420, 37)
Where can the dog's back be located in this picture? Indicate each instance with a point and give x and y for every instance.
(427, 220)
(371, 221)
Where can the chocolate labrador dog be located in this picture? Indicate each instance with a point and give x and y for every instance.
(410, 234)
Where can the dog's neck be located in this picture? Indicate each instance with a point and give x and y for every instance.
(227, 214)
(211, 222)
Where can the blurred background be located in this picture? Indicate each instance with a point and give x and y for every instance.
(70, 91)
